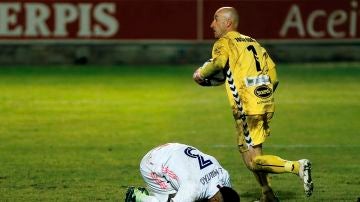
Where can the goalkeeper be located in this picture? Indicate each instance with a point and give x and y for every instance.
(251, 82)
(181, 173)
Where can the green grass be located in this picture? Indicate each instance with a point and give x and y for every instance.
(78, 133)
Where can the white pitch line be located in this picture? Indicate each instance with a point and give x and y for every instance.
(293, 146)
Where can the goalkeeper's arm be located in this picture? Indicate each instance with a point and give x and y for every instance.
(209, 68)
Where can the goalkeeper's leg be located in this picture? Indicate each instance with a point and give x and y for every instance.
(275, 164)
(263, 164)
(260, 176)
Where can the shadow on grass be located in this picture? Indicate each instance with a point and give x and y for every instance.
(254, 194)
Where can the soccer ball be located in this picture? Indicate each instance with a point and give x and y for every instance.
(216, 78)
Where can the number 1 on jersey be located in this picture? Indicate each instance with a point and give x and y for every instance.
(252, 49)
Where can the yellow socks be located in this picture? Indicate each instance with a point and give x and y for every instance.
(275, 164)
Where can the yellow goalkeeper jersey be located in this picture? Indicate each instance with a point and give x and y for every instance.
(252, 69)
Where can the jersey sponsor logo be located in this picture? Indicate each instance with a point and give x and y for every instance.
(202, 162)
(263, 91)
(257, 80)
(266, 101)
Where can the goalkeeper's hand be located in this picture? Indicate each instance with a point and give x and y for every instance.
(198, 78)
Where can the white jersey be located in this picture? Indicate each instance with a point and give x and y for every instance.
(184, 170)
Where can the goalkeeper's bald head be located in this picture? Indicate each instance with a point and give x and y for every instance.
(230, 14)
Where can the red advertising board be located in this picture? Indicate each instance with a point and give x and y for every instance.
(293, 19)
(96, 19)
(175, 19)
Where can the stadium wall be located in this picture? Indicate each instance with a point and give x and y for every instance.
(171, 31)
(162, 53)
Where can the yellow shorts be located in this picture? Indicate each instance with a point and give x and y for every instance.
(258, 129)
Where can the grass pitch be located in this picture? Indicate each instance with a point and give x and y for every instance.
(78, 133)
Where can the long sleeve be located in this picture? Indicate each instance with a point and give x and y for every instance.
(219, 59)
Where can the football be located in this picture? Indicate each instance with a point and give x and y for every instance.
(215, 79)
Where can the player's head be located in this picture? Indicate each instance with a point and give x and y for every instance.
(225, 19)
(229, 195)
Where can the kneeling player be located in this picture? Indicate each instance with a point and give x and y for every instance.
(181, 173)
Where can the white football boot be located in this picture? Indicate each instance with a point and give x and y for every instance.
(305, 175)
